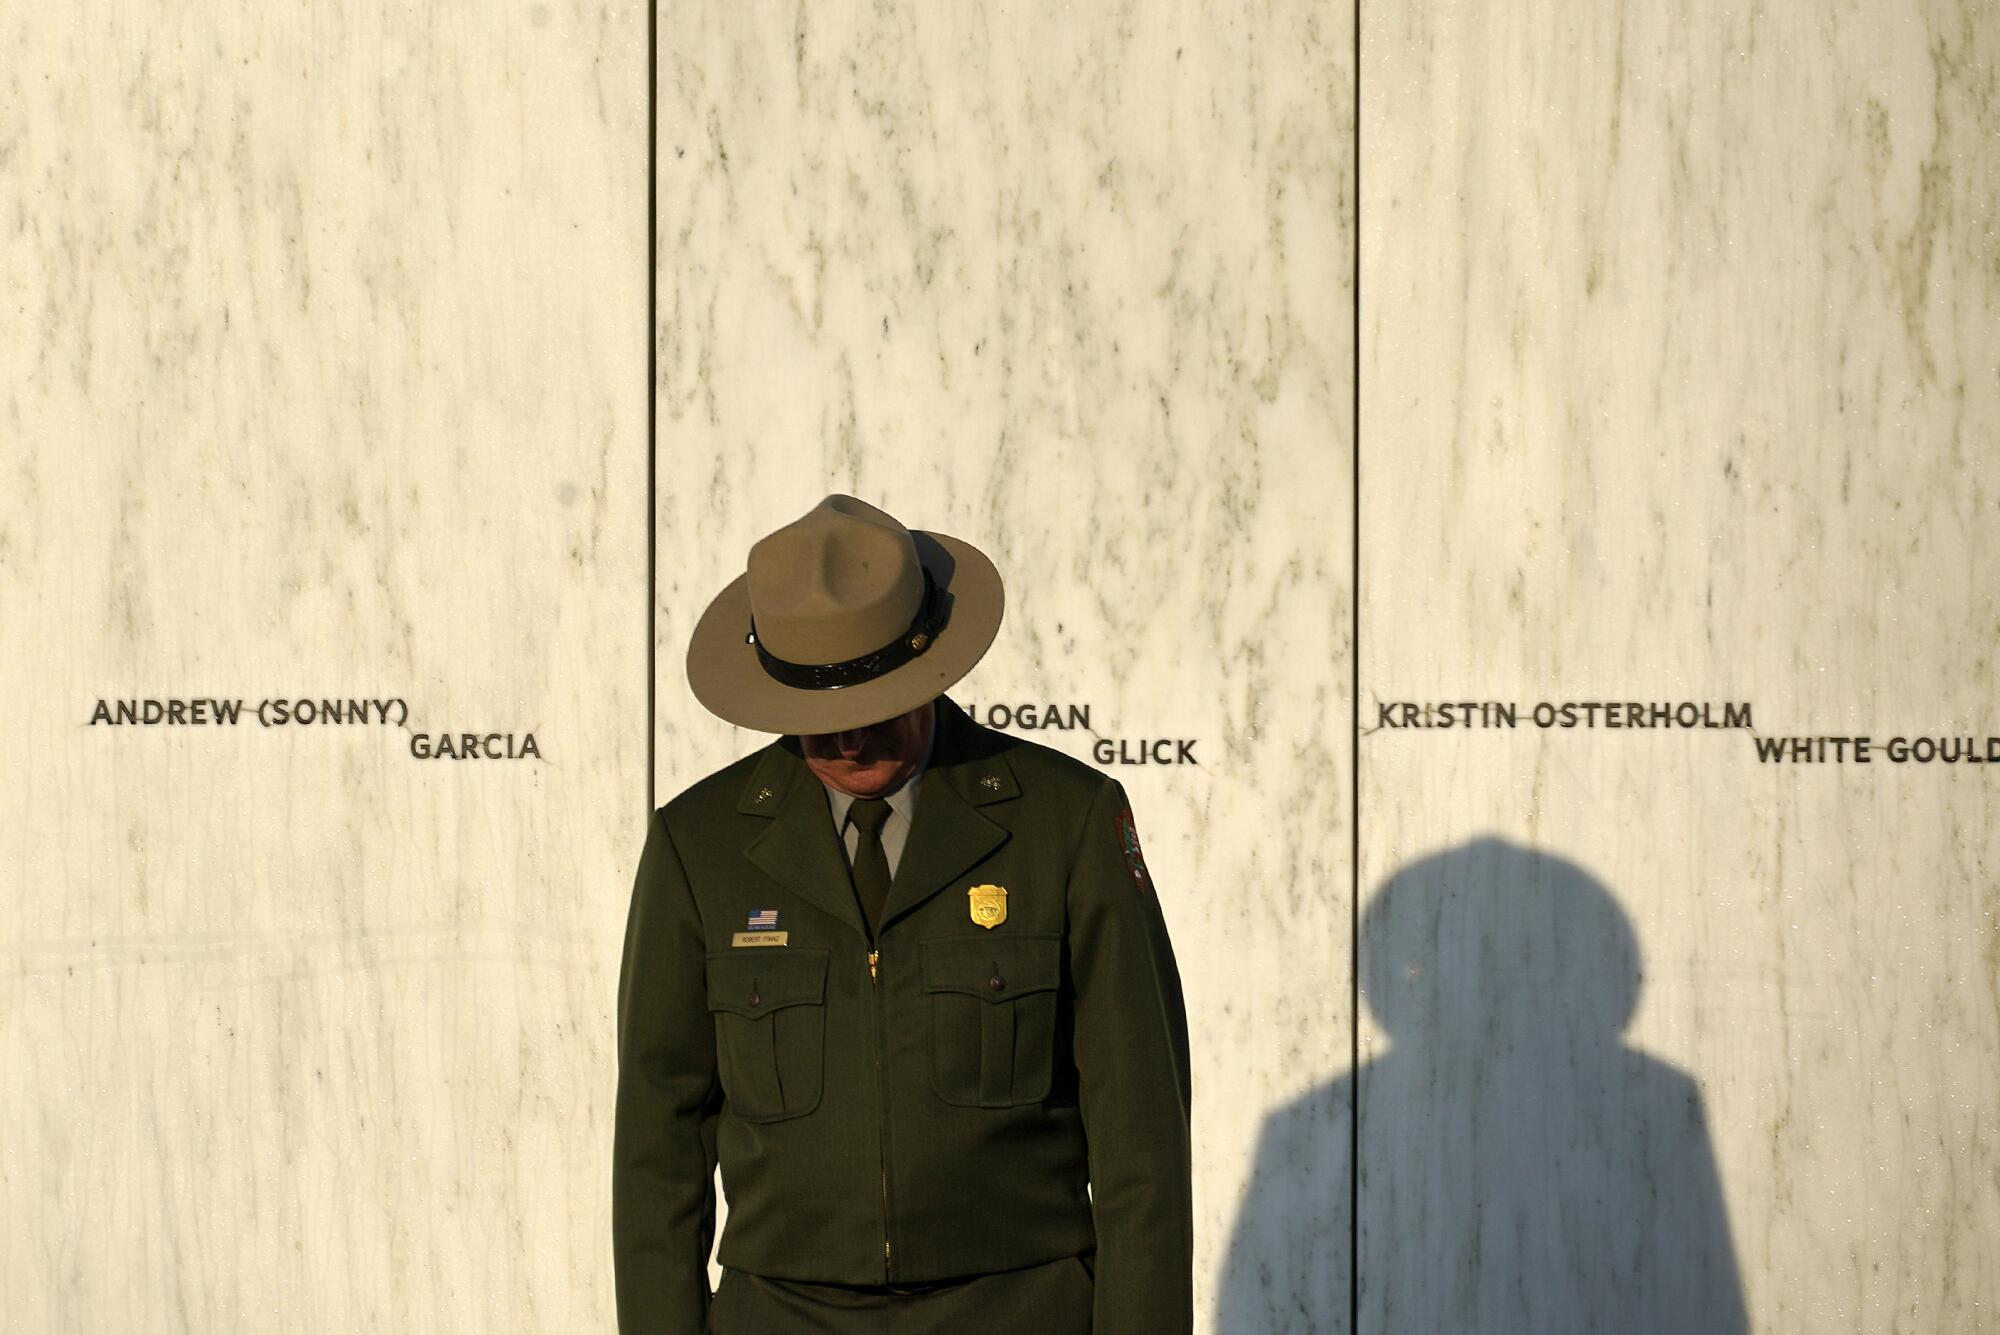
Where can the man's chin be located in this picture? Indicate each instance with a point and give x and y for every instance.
(859, 783)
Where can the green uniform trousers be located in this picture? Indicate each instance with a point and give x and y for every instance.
(1050, 1299)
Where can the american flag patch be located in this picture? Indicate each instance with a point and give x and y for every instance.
(764, 920)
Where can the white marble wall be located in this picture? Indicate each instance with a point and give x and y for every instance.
(1678, 384)
(1071, 283)
(322, 372)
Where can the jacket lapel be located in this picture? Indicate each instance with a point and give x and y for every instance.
(798, 848)
(949, 834)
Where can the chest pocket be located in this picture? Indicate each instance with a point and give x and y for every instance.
(993, 1017)
(770, 1029)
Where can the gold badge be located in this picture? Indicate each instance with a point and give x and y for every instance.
(989, 905)
(760, 938)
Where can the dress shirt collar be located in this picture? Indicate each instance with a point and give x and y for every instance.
(902, 802)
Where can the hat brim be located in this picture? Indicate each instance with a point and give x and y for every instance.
(724, 672)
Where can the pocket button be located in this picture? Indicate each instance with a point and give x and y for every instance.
(994, 1011)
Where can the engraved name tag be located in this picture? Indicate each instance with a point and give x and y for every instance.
(760, 938)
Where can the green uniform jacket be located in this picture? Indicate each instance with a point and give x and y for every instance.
(932, 1109)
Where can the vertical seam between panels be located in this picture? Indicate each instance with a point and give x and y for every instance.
(1354, 759)
(652, 382)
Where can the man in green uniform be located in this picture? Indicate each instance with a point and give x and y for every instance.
(903, 977)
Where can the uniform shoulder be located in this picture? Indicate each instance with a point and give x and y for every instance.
(714, 794)
(1034, 765)
(1047, 767)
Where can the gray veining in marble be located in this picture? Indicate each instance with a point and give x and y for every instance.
(322, 372)
(1070, 283)
(1678, 384)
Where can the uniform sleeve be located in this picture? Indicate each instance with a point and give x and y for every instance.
(1131, 1045)
(663, 1142)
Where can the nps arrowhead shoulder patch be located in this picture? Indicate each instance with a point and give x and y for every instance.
(1135, 863)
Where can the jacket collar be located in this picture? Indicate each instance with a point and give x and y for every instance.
(968, 770)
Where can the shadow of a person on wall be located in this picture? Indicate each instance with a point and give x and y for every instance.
(1523, 1172)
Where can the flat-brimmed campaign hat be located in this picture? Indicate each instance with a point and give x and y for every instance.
(841, 619)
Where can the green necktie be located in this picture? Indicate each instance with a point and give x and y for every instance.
(871, 864)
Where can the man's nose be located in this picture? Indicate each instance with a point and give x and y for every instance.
(851, 741)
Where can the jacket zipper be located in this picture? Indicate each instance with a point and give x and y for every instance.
(882, 1102)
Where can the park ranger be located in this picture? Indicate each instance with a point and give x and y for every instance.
(905, 978)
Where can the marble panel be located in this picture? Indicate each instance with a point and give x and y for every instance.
(1678, 349)
(322, 376)
(1072, 283)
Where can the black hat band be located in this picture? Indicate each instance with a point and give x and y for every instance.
(922, 632)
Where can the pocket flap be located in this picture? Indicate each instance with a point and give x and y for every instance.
(993, 968)
(757, 982)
